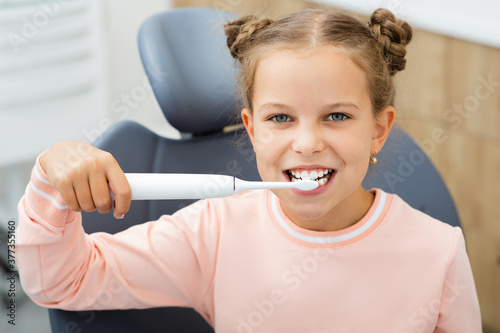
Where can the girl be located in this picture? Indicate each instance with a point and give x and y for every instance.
(318, 92)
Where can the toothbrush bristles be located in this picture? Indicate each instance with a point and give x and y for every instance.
(306, 185)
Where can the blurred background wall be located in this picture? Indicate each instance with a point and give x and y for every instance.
(73, 71)
(68, 70)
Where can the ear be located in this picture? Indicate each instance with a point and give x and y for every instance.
(383, 125)
(247, 118)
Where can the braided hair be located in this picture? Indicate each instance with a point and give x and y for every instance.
(377, 48)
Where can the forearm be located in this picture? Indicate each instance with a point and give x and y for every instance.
(60, 266)
(145, 266)
(51, 247)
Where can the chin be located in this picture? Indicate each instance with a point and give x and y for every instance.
(303, 211)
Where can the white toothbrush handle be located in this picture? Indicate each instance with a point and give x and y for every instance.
(243, 185)
(160, 186)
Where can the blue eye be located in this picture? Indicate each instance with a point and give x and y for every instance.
(337, 117)
(280, 118)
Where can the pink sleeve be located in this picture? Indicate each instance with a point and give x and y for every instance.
(459, 310)
(167, 262)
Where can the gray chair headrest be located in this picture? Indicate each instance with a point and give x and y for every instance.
(190, 69)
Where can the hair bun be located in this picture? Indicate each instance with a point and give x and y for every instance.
(392, 35)
(240, 31)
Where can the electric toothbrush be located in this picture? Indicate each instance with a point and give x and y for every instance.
(161, 186)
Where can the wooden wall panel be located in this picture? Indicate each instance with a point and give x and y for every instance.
(425, 61)
(442, 90)
(475, 88)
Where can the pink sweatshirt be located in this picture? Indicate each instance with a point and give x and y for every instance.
(246, 267)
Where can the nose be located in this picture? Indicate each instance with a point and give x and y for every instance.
(308, 140)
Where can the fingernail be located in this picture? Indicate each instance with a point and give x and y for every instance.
(119, 217)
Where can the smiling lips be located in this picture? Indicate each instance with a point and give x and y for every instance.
(321, 176)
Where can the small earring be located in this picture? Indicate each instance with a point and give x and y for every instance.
(373, 158)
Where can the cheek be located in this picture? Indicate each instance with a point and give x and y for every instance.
(267, 162)
(354, 150)
(263, 137)
(270, 147)
(264, 146)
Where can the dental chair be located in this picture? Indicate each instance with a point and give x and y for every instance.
(192, 74)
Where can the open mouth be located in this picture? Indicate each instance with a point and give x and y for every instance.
(321, 176)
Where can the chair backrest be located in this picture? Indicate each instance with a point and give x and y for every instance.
(405, 169)
(191, 72)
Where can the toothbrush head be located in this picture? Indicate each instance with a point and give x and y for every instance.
(305, 185)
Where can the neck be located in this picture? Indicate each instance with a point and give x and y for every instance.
(345, 214)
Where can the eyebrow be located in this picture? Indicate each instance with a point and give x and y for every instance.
(326, 108)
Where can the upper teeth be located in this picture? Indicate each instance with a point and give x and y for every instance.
(304, 175)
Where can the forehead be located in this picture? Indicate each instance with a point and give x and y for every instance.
(322, 74)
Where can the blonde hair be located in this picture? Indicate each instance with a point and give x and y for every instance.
(377, 48)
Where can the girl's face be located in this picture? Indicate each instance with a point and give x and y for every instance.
(313, 118)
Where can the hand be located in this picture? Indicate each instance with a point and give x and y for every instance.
(84, 175)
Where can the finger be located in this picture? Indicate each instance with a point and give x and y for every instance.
(84, 195)
(120, 187)
(100, 192)
(68, 194)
